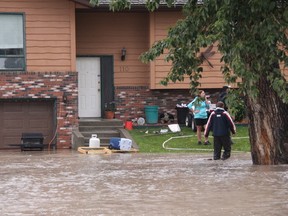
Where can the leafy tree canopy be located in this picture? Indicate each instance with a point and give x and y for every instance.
(251, 35)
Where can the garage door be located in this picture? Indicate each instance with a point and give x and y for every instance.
(21, 117)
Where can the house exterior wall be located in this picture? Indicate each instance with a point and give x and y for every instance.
(106, 33)
(50, 60)
(55, 35)
(212, 76)
(131, 100)
(39, 85)
(50, 33)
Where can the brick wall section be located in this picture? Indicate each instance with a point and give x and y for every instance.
(46, 85)
(130, 101)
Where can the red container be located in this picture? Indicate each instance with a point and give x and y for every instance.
(128, 125)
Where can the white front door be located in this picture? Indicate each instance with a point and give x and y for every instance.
(89, 86)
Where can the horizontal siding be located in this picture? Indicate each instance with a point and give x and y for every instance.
(49, 56)
(49, 37)
(43, 17)
(178, 85)
(132, 71)
(48, 32)
(34, 4)
(212, 76)
(49, 50)
(56, 62)
(205, 74)
(111, 45)
(40, 24)
(47, 43)
(48, 11)
(164, 21)
(107, 33)
(44, 68)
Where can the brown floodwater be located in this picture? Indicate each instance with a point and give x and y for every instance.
(70, 183)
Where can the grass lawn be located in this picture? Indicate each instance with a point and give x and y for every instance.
(150, 140)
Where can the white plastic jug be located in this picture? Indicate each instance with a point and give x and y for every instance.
(94, 142)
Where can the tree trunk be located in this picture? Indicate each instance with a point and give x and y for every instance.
(268, 126)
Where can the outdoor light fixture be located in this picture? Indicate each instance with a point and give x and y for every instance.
(123, 54)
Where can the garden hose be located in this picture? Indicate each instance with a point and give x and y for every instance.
(195, 149)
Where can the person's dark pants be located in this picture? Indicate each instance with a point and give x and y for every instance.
(219, 142)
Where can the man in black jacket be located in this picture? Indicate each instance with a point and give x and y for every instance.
(221, 123)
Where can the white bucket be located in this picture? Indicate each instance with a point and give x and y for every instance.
(94, 142)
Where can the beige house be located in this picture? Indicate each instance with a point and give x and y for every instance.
(61, 60)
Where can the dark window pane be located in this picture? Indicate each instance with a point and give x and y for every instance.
(12, 63)
(15, 51)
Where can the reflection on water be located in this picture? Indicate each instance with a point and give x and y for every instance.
(69, 183)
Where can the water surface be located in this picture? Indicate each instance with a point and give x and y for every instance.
(70, 183)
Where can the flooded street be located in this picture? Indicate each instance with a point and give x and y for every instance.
(69, 183)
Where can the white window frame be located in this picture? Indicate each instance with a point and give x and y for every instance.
(12, 42)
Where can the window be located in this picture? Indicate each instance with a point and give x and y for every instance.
(12, 42)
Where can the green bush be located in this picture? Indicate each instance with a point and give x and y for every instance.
(236, 104)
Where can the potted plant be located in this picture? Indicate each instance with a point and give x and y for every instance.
(110, 110)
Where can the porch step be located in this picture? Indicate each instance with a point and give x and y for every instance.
(103, 135)
(88, 129)
(98, 122)
(104, 128)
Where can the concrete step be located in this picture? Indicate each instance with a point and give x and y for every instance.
(100, 133)
(101, 122)
(102, 144)
(104, 136)
(98, 128)
(104, 128)
(103, 139)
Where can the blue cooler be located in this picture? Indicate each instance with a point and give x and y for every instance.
(120, 143)
(115, 143)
